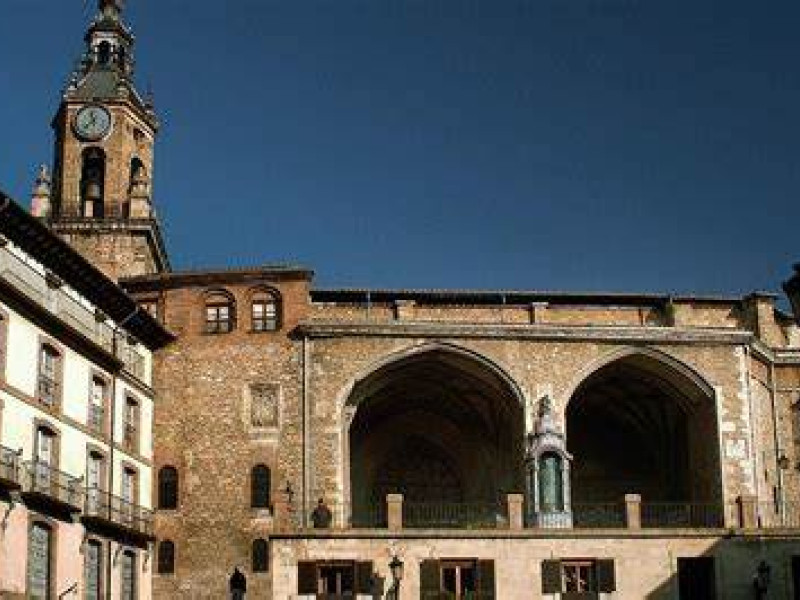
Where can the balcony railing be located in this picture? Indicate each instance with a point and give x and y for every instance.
(46, 292)
(118, 512)
(682, 514)
(46, 482)
(591, 515)
(458, 515)
(9, 467)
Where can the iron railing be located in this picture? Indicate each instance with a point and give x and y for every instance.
(9, 466)
(118, 511)
(461, 515)
(682, 514)
(590, 515)
(44, 480)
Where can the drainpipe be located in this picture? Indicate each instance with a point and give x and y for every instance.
(777, 442)
(110, 479)
(753, 452)
(305, 457)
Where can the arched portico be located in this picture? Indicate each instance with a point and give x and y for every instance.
(438, 424)
(643, 422)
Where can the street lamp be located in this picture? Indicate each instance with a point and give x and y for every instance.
(792, 289)
(396, 567)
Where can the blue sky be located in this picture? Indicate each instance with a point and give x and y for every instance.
(584, 145)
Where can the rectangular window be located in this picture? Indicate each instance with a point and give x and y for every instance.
(94, 482)
(48, 384)
(335, 580)
(265, 315)
(44, 459)
(97, 404)
(93, 575)
(457, 579)
(218, 318)
(128, 576)
(39, 567)
(581, 578)
(131, 424)
(696, 578)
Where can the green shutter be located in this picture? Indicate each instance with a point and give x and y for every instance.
(429, 580)
(486, 580)
(606, 579)
(307, 577)
(551, 577)
(364, 577)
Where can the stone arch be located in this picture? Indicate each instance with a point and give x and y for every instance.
(454, 411)
(659, 356)
(346, 398)
(639, 420)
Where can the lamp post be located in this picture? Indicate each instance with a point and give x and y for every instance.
(396, 567)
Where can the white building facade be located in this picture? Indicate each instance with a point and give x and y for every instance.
(76, 411)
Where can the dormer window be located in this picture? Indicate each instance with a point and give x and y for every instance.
(220, 311)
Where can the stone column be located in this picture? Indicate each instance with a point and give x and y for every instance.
(515, 513)
(748, 513)
(633, 511)
(394, 511)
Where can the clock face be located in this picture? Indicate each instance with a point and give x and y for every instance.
(92, 122)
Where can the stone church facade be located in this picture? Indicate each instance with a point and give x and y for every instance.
(434, 444)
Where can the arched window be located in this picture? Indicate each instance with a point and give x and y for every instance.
(220, 311)
(260, 556)
(264, 310)
(551, 483)
(166, 557)
(260, 487)
(104, 53)
(168, 488)
(93, 177)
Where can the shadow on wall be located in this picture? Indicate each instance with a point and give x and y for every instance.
(751, 568)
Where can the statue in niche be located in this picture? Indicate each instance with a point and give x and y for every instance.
(264, 405)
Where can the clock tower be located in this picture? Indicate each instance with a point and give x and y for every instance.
(99, 198)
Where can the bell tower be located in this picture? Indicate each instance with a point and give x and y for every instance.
(99, 198)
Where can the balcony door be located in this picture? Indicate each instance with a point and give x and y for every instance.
(45, 458)
(94, 481)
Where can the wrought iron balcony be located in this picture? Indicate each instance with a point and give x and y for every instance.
(48, 484)
(9, 468)
(108, 510)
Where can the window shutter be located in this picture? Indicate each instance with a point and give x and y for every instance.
(606, 580)
(486, 579)
(551, 576)
(307, 577)
(364, 577)
(429, 580)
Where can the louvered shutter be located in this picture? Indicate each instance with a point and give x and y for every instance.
(429, 580)
(307, 577)
(551, 576)
(606, 579)
(364, 577)
(486, 580)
